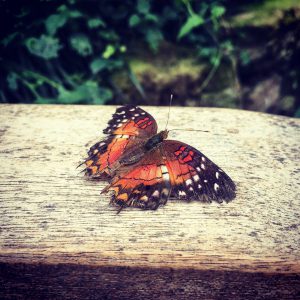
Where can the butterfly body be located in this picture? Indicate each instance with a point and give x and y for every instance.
(145, 169)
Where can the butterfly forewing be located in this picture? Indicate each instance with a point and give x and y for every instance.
(131, 120)
(129, 128)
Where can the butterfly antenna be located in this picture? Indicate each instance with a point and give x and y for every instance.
(171, 98)
(189, 130)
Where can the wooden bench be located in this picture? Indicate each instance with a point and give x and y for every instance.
(59, 238)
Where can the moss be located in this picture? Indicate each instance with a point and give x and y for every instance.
(163, 72)
(266, 13)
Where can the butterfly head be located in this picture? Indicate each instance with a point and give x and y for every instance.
(164, 134)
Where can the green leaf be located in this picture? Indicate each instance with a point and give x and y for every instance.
(109, 51)
(227, 46)
(215, 60)
(81, 44)
(134, 20)
(87, 92)
(95, 23)
(54, 22)
(143, 6)
(154, 37)
(105, 94)
(207, 51)
(217, 11)
(45, 46)
(192, 22)
(109, 35)
(123, 49)
(245, 57)
(62, 8)
(74, 14)
(12, 81)
(151, 18)
(9, 38)
(98, 65)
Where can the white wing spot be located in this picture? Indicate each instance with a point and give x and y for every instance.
(205, 180)
(143, 113)
(196, 178)
(182, 193)
(216, 186)
(165, 191)
(191, 189)
(198, 169)
(156, 194)
(202, 166)
(165, 173)
(164, 169)
(136, 115)
(119, 125)
(121, 113)
(189, 182)
(118, 120)
(199, 186)
(102, 144)
(133, 118)
(125, 120)
(132, 109)
(203, 158)
(166, 176)
(217, 175)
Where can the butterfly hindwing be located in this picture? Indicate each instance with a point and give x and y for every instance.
(144, 184)
(171, 169)
(195, 177)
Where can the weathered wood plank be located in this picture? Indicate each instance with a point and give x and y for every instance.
(50, 214)
(27, 281)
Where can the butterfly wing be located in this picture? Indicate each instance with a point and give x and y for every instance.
(129, 128)
(195, 177)
(145, 184)
(172, 168)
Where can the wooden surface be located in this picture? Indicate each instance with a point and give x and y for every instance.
(52, 215)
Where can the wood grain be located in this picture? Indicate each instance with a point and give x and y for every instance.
(52, 214)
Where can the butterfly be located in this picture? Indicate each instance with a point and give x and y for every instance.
(145, 169)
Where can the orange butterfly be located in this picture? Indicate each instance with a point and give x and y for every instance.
(145, 169)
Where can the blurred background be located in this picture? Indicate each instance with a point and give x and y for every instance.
(236, 54)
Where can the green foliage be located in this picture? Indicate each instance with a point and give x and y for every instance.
(74, 49)
(95, 23)
(12, 81)
(46, 46)
(109, 51)
(81, 44)
(192, 22)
